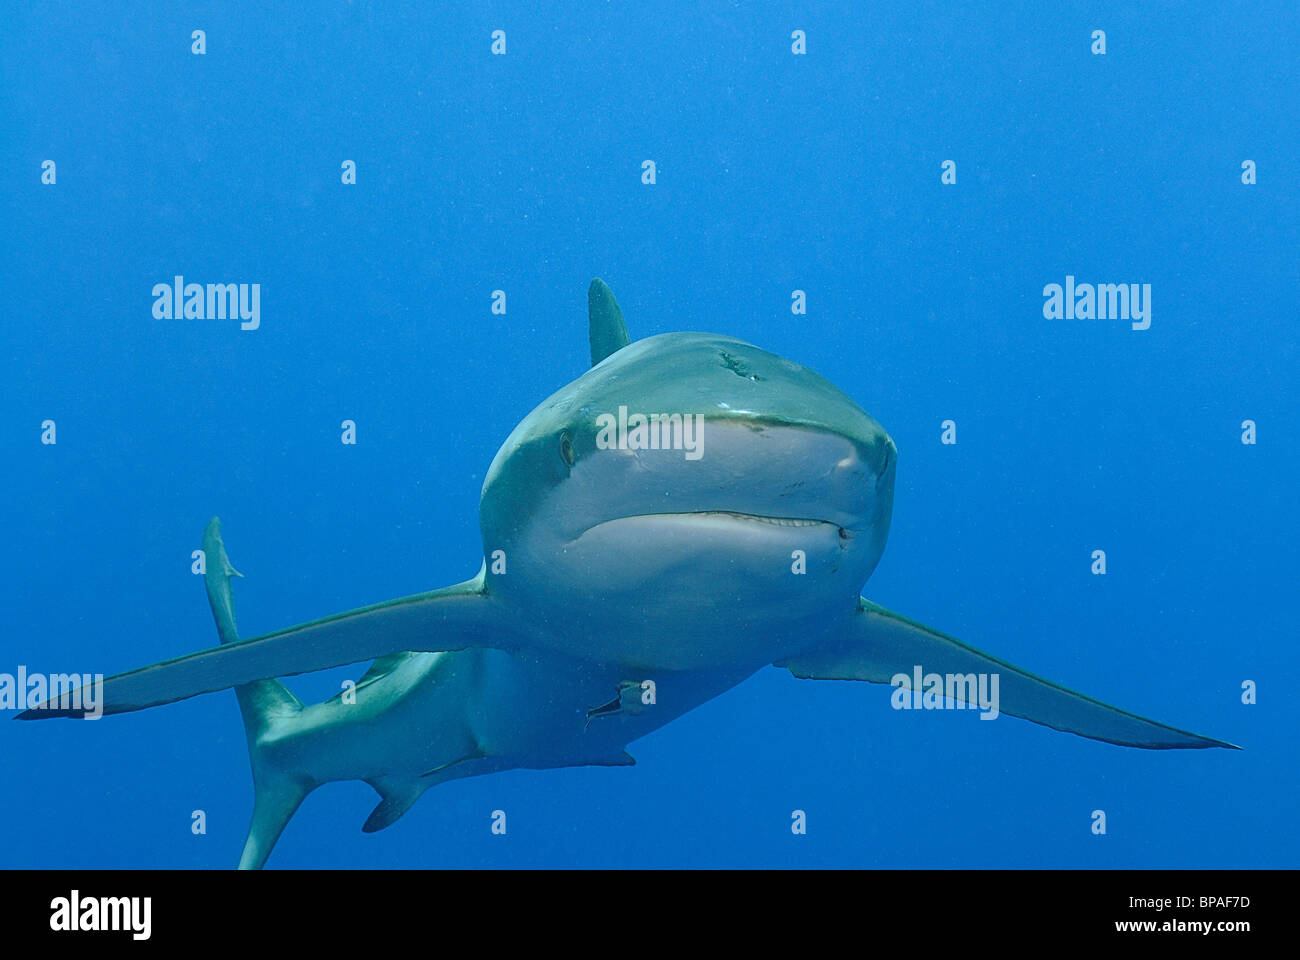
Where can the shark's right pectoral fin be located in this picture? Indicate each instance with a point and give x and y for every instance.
(882, 644)
(453, 618)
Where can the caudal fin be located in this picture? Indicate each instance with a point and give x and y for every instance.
(263, 703)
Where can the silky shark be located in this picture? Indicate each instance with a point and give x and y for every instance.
(635, 565)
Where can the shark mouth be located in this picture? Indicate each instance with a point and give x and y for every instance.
(735, 515)
(757, 518)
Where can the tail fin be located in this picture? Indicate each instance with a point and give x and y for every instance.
(277, 793)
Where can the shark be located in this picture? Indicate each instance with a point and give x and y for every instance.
(690, 510)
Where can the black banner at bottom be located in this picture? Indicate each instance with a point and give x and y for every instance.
(598, 911)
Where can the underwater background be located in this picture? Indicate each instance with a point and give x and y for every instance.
(774, 172)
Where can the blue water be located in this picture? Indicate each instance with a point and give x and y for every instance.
(775, 172)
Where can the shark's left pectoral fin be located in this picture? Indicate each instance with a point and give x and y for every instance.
(452, 618)
(880, 645)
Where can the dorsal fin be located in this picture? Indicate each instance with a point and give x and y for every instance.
(608, 332)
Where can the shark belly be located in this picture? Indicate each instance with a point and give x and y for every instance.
(441, 716)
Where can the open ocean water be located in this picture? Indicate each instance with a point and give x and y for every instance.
(1169, 160)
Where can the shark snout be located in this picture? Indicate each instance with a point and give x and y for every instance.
(861, 482)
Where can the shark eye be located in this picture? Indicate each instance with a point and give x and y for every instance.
(566, 449)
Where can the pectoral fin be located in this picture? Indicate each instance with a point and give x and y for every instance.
(452, 618)
(882, 644)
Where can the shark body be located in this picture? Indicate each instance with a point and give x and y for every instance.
(690, 510)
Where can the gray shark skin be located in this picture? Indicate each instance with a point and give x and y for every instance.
(622, 585)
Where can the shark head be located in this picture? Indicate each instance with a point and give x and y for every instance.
(682, 460)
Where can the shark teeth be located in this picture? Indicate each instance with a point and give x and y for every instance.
(775, 521)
